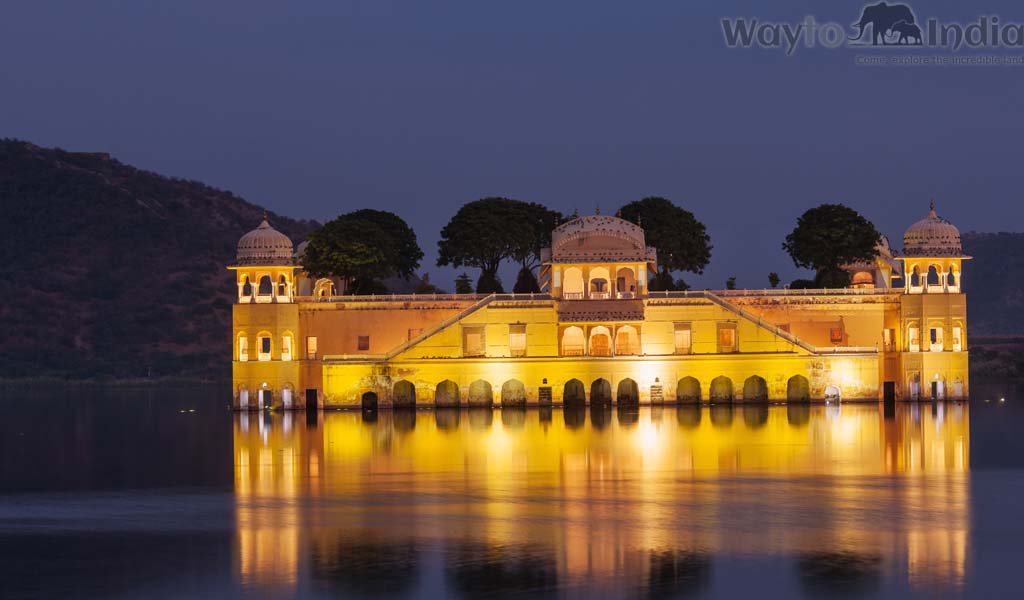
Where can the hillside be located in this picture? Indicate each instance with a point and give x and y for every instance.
(112, 271)
(994, 282)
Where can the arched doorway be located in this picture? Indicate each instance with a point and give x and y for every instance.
(688, 390)
(721, 389)
(573, 342)
(287, 396)
(369, 401)
(600, 341)
(755, 389)
(574, 393)
(513, 393)
(798, 389)
(572, 284)
(599, 289)
(628, 393)
(243, 397)
(832, 392)
(446, 394)
(480, 394)
(625, 283)
(627, 341)
(403, 394)
(600, 392)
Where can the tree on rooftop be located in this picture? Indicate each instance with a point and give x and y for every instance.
(485, 232)
(361, 248)
(829, 236)
(681, 240)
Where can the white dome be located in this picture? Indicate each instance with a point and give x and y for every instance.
(932, 236)
(599, 238)
(264, 246)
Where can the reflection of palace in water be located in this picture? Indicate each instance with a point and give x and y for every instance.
(617, 499)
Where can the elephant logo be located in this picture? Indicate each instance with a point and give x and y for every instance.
(888, 20)
(909, 33)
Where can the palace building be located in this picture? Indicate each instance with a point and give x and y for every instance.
(597, 334)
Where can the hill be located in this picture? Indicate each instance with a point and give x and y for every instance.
(994, 282)
(109, 271)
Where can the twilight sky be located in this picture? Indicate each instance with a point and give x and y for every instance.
(314, 108)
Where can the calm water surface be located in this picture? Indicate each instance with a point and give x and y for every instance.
(145, 494)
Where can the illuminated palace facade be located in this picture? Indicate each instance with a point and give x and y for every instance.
(597, 334)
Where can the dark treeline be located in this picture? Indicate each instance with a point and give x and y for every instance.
(366, 246)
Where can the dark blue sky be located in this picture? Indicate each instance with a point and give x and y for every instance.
(318, 108)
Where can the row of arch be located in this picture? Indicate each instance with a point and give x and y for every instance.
(574, 393)
(935, 279)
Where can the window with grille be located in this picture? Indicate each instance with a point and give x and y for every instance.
(517, 340)
(473, 341)
(684, 338)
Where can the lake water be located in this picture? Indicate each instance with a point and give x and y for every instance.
(167, 494)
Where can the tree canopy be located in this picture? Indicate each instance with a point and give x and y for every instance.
(829, 236)
(682, 241)
(363, 247)
(485, 232)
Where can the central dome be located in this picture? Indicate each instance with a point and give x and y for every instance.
(932, 236)
(264, 246)
(598, 238)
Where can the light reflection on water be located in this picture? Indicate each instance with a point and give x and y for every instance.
(604, 502)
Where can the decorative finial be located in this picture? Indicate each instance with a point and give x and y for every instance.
(575, 212)
(931, 205)
(264, 214)
(597, 208)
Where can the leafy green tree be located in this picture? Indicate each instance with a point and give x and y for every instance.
(682, 241)
(773, 279)
(829, 236)
(526, 282)
(344, 248)
(730, 283)
(399, 244)
(361, 248)
(463, 284)
(485, 232)
(534, 226)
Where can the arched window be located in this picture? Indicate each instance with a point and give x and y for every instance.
(266, 286)
(264, 346)
(934, 282)
(625, 283)
(282, 286)
(572, 284)
(572, 341)
(600, 341)
(323, 288)
(915, 278)
(243, 348)
(627, 341)
(246, 288)
(286, 347)
(599, 283)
